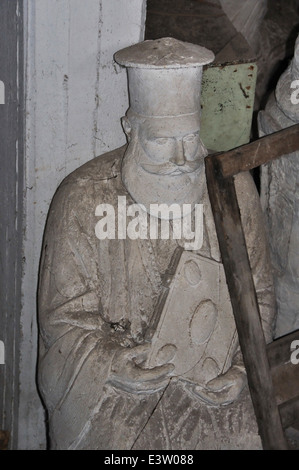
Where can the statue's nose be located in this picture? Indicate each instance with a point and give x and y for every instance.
(179, 156)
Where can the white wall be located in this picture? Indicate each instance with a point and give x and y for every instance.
(75, 96)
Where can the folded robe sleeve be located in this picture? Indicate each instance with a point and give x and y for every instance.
(77, 341)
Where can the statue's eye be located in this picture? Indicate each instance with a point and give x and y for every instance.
(190, 138)
(161, 141)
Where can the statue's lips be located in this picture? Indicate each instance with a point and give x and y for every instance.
(172, 169)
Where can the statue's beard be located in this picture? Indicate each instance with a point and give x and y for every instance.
(165, 183)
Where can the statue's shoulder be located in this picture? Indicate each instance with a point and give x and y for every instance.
(79, 185)
(275, 116)
(98, 169)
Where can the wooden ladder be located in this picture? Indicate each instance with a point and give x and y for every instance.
(272, 378)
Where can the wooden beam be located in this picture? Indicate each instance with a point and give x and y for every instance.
(245, 306)
(263, 150)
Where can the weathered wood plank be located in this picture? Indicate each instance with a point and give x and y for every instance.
(245, 307)
(249, 156)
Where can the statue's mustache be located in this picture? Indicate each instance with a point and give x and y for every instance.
(169, 167)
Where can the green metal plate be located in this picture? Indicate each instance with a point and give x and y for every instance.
(227, 100)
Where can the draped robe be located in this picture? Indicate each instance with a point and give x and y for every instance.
(97, 297)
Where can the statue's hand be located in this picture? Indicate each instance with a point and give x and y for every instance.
(128, 374)
(222, 390)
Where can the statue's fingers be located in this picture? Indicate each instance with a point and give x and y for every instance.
(213, 398)
(140, 352)
(135, 352)
(156, 373)
(219, 383)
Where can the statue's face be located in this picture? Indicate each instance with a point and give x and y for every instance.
(164, 161)
(169, 147)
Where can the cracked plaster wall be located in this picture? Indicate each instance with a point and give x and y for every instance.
(75, 96)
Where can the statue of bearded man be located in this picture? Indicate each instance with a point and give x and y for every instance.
(138, 346)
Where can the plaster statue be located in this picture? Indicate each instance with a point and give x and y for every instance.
(138, 345)
(280, 198)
